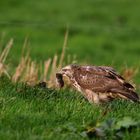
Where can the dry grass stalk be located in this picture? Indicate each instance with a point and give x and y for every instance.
(5, 52)
(25, 49)
(20, 69)
(31, 73)
(3, 56)
(3, 70)
(22, 64)
(63, 50)
(24, 46)
(46, 68)
(129, 73)
(51, 82)
(27, 70)
(40, 71)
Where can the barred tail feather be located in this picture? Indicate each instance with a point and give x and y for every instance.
(127, 94)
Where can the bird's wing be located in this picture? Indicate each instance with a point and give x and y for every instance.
(100, 78)
(105, 72)
(95, 78)
(104, 80)
(112, 73)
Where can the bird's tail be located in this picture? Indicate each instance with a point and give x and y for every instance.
(127, 94)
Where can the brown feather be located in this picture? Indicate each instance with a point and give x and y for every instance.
(104, 80)
(98, 83)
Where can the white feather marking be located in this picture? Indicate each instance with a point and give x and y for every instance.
(67, 67)
(83, 76)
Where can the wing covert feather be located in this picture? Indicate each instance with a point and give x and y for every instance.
(94, 79)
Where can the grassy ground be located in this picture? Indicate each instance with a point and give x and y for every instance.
(36, 113)
(100, 32)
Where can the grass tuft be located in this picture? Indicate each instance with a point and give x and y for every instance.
(29, 71)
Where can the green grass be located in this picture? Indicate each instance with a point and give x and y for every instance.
(36, 113)
(100, 33)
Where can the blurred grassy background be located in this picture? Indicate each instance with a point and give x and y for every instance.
(101, 32)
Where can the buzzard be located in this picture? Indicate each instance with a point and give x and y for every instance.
(98, 84)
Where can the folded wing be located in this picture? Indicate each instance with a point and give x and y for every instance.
(104, 80)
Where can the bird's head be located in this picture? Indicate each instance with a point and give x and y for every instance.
(64, 75)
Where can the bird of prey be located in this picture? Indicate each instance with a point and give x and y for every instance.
(98, 84)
